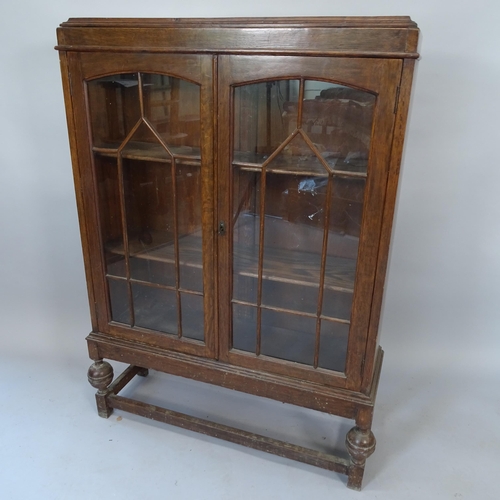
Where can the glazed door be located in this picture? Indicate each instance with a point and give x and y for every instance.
(148, 193)
(303, 172)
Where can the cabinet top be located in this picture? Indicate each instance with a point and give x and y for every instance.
(245, 22)
(394, 36)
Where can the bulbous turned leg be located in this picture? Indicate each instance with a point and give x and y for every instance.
(360, 444)
(100, 375)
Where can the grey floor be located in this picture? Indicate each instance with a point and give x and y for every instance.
(438, 438)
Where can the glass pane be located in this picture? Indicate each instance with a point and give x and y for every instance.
(155, 308)
(118, 294)
(288, 336)
(297, 157)
(149, 209)
(263, 119)
(333, 345)
(337, 304)
(144, 146)
(244, 328)
(173, 107)
(343, 242)
(114, 108)
(246, 202)
(293, 297)
(110, 215)
(192, 316)
(293, 239)
(338, 120)
(188, 187)
(347, 209)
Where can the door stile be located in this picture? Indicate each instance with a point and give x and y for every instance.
(208, 213)
(402, 107)
(224, 140)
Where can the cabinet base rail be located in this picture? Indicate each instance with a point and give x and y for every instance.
(107, 399)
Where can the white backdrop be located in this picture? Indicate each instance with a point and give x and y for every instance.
(441, 311)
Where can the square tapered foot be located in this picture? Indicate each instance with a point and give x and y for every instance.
(355, 477)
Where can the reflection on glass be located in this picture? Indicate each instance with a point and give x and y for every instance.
(313, 187)
(148, 171)
(114, 108)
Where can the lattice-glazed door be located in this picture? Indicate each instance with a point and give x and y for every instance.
(299, 160)
(152, 178)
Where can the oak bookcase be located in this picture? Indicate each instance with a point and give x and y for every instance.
(236, 183)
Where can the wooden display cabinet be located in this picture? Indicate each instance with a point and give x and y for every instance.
(236, 182)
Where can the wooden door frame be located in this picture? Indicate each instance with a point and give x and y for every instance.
(197, 69)
(377, 76)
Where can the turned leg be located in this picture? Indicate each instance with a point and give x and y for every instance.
(100, 375)
(360, 444)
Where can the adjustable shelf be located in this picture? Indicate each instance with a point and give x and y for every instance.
(283, 266)
(145, 151)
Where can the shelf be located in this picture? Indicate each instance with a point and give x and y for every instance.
(189, 250)
(307, 165)
(293, 267)
(145, 151)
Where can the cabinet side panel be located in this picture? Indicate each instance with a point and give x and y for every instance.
(382, 136)
(390, 203)
(86, 188)
(66, 81)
